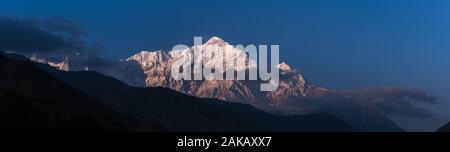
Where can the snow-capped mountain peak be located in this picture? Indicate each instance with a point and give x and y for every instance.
(63, 65)
(216, 41)
(147, 58)
(284, 68)
(156, 65)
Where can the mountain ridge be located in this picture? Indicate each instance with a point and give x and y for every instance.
(22, 81)
(179, 112)
(148, 104)
(152, 69)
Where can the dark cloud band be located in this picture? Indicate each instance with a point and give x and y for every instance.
(30, 35)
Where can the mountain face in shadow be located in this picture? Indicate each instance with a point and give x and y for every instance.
(445, 128)
(173, 110)
(37, 97)
(21, 113)
(32, 99)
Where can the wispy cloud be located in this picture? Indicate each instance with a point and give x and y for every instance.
(393, 101)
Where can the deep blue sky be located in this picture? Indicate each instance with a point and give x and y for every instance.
(335, 43)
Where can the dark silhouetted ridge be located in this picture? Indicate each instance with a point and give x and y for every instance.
(32, 99)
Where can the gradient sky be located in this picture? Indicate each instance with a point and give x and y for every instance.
(340, 44)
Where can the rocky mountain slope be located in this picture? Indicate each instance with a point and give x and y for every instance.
(156, 66)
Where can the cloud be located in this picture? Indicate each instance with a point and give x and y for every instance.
(25, 35)
(63, 25)
(54, 39)
(392, 101)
